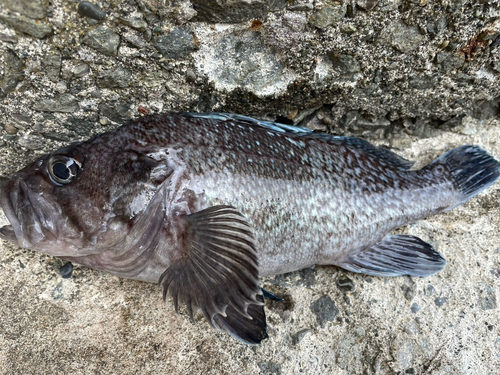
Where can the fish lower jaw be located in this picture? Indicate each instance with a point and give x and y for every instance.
(7, 233)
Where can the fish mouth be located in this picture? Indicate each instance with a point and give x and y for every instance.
(7, 233)
(26, 213)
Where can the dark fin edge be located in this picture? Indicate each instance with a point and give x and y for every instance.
(396, 255)
(219, 274)
(249, 331)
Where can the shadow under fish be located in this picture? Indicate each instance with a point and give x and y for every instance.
(205, 204)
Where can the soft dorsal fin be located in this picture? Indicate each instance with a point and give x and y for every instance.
(218, 273)
(380, 153)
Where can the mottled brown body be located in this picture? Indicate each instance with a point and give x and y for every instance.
(306, 199)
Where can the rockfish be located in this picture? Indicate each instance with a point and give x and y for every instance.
(205, 204)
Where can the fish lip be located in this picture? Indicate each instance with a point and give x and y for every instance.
(26, 210)
(9, 232)
(10, 193)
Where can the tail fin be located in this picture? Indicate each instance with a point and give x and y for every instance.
(472, 170)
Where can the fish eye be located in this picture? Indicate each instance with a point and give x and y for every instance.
(63, 169)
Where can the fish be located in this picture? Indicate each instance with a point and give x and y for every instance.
(204, 204)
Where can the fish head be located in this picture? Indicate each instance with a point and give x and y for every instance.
(49, 206)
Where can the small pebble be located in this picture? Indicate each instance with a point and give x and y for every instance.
(103, 40)
(324, 309)
(135, 23)
(190, 76)
(440, 301)
(10, 129)
(81, 69)
(346, 285)
(297, 337)
(86, 8)
(409, 291)
(327, 120)
(8, 38)
(415, 308)
(66, 271)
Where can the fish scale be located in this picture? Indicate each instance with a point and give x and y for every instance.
(205, 204)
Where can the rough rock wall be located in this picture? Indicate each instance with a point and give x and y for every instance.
(371, 68)
(418, 75)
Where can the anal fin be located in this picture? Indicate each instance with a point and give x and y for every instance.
(396, 255)
(218, 273)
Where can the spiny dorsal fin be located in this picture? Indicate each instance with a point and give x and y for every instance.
(219, 274)
(380, 153)
(249, 121)
(396, 255)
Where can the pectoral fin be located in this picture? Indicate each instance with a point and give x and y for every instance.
(219, 274)
(396, 255)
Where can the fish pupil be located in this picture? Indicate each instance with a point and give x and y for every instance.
(61, 171)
